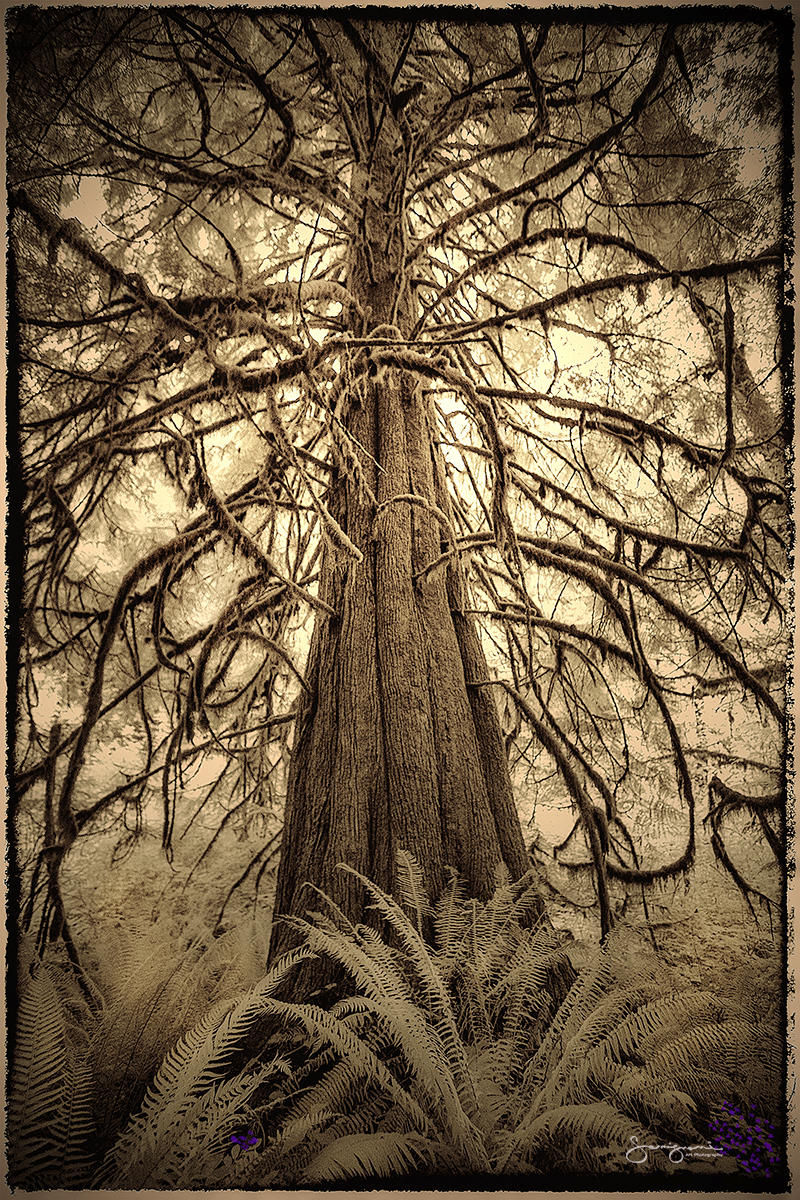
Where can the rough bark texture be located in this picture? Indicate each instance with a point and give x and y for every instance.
(394, 749)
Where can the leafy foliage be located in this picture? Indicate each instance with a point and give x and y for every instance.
(451, 1059)
(191, 1104)
(156, 984)
(50, 1125)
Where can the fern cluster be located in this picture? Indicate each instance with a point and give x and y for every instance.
(50, 1127)
(452, 1059)
(77, 1072)
(195, 1100)
(156, 985)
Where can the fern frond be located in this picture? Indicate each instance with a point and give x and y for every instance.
(386, 960)
(428, 1061)
(493, 938)
(575, 1130)
(76, 1128)
(655, 1102)
(522, 994)
(671, 1013)
(424, 1064)
(205, 1131)
(411, 887)
(297, 1141)
(590, 989)
(489, 1069)
(178, 1073)
(724, 1047)
(376, 975)
(301, 1138)
(323, 1026)
(40, 1084)
(246, 1012)
(647, 1024)
(50, 1126)
(510, 907)
(524, 947)
(340, 1089)
(154, 996)
(420, 958)
(40, 1056)
(558, 1057)
(450, 919)
(225, 967)
(415, 948)
(707, 1086)
(424, 1058)
(236, 958)
(362, 1155)
(500, 904)
(586, 993)
(475, 1021)
(614, 971)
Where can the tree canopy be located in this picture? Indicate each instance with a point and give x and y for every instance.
(248, 248)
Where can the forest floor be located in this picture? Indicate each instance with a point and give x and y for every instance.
(703, 931)
(702, 926)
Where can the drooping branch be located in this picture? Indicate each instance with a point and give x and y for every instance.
(567, 559)
(558, 234)
(594, 821)
(724, 800)
(612, 283)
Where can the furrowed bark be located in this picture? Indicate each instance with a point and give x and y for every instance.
(394, 749)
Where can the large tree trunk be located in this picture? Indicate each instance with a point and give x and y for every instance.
(395, 748)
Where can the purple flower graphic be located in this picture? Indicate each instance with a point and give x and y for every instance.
(246, 1140)
(748, 1137)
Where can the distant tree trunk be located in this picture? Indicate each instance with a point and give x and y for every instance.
(394, 748)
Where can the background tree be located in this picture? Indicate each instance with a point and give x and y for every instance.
(460, 340)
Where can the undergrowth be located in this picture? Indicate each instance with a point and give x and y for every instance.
(451, 1058)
